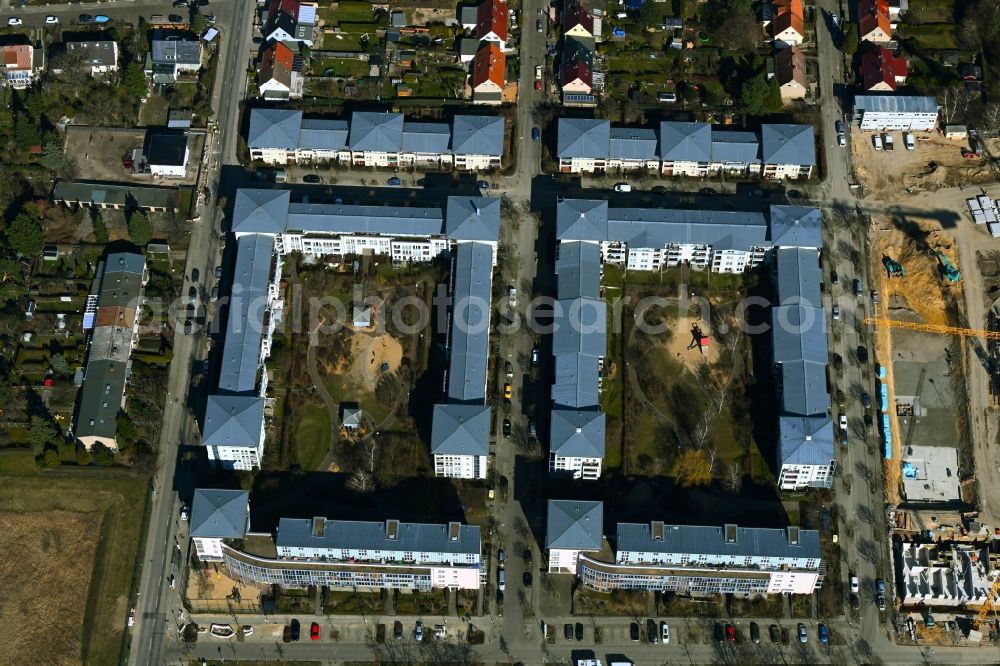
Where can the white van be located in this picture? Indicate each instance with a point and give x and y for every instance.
(877, 140)
(503, 580)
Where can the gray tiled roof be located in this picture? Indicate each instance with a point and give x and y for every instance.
(657, 227)
(578, 270)
(461, 430)
(582, 137)
(796, 226)
(685, 142)
(176, 51)
(99, 53)
(358, 535)
(574, 525)
(260, 211)
(582, 219)
(896, 103)
(477, 135)
(576, 381)
(804, 388)
(787, 144)
(798, 333)
(580, 326)
(799, 276)
(118, 266)
(632, 144)
(219, 514)
(703, 540)
(233, 420)
(425, 138)
(245, 323)
(805, 440)
(274, 128)
(735, 147)
(376, 132)
(321, 134)
(470, 326)
(389, 220)
(473, 218)
(577, 434)
(101, 398)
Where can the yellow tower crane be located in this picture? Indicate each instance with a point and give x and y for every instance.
(934, 328)
(984, 610)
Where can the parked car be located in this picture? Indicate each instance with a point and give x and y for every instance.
(192, 294)
(719, 632)
(184, 512)
(568, 632)
(311, 178)
(774, 632)
(803, 634)
(880, 593)
(539, 27)
(501, 557)
(13, 20)
(512, 297)
(834, 278)
(730, 633)
(536, 134)
(418, 631)
(854, 601)
(869, 421)
(526, 579)
(538, 72)
(101, 19)
(578, 631)
(652, 635)
(633, 632)
(218, 272)
(215, 293)
(397, 630)
(85, 18)
(395, 182)
(862, 354)
(841, 140)
(526, 556)
(888, 142)
(180, 3)
(508, 391)
(877, 142)
(176, 18)
(502, 581)
(294, 630)
(858, 287)
(506, 427)
(172, 581)
(535, 356)
(754, 632)
(623, 187)
(835, 311)
(908, 141)
(866, 400)
(664, 632)
(51, 20)
(841, 128)
(824, 634)
(538, 86)
(314, 631)
(195, 274)
(509, 369)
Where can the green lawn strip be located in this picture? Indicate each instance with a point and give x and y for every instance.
(312, 436)
(343, 67)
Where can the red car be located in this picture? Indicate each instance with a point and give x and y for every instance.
(314, 631)
(730, 633)
(538, 85)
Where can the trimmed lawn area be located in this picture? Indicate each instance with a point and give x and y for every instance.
(345, 67)
(312, 436)
(81, 536)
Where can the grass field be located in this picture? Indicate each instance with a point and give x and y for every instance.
(81, 537)
(312, 436)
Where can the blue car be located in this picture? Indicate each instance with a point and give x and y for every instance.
(824, 635)
(536, 134)
(101, 18)
(395, 182)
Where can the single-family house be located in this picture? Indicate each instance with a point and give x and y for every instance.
(788, 25)
(577, 21)
(489, 74)
(787, 151)
(290, 21)
(169, 58)
(790, 70)
(492, 19)
(572, 527)
(17, 69)
(576, 75)
(873, 21)
(166, 154)
(100, 56)
(277, 76)
(881, 70)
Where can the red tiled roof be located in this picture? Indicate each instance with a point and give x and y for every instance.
(489, 65)
(276, 64)
(880, 66)
(17, 56)
(873, 14)
(290, 7)
(790, 65)
(492, 16)
(574, 15)
(788, 14)
(577, 69)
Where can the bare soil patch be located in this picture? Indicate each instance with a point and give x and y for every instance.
(374, 356)
(46, 575)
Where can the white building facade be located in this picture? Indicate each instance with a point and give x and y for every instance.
(875, 113)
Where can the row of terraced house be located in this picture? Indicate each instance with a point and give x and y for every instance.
(371, 139)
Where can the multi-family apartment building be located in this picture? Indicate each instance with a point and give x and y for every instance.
(945, 574)
(340, 554)
(217, 515)
(233, 430)
(875, 113)
(700, 560)
(576, 443)
(572, 529)
(284, 136)
(112, 316)
(685, 149)
(460, 440)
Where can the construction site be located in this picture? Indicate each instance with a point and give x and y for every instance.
(936, 277)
